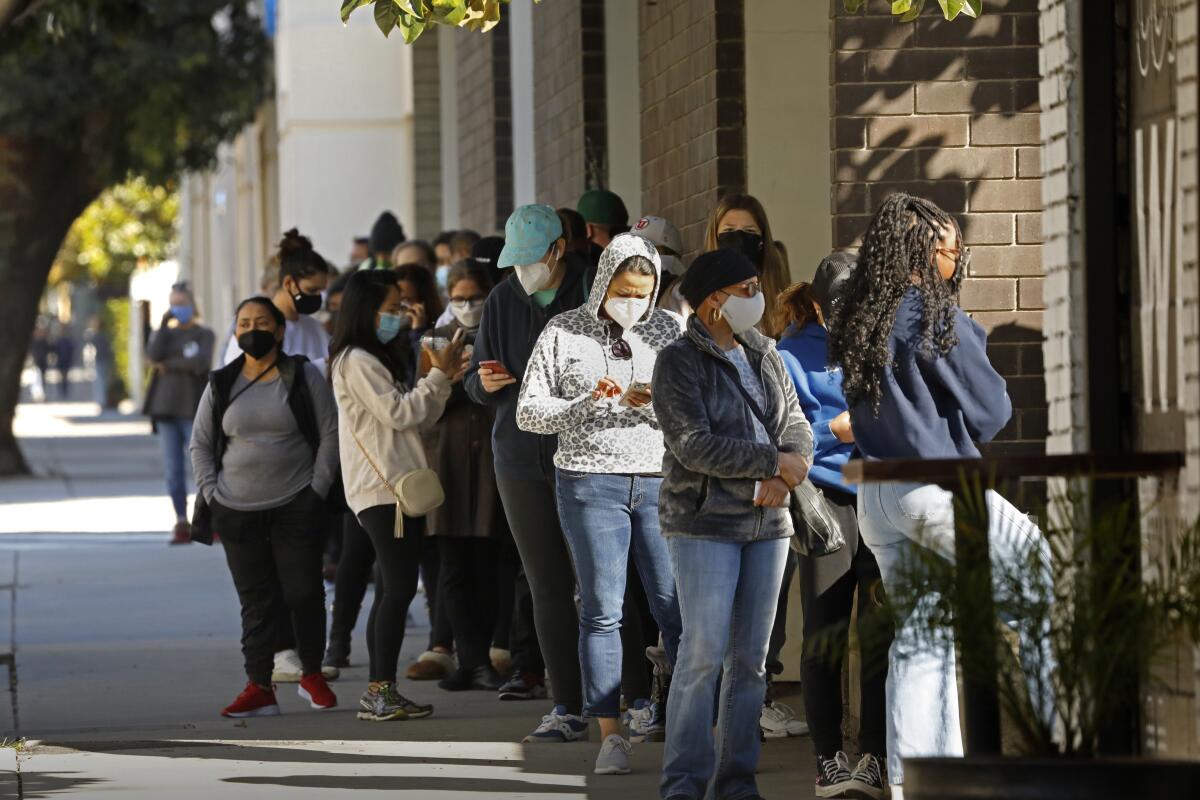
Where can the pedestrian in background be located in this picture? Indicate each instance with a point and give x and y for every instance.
(265, 453)
(739, 222)
(180, 354)
(64, 359)
(737, 442)
(379, 418)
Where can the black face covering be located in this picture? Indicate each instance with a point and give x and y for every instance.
(306, 303)
(256, 343)
(748, 244)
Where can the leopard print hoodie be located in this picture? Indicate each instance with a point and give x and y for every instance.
(573, 353)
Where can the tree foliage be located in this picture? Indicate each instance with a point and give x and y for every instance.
(909, 10)
(414, 17)
(128, 224)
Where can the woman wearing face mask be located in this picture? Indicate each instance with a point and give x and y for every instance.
(265, 453)
(737, 442)
(514, 316)
(303, 276)
(180, 352)
(739, 222)
(379, 418)
(588, 381)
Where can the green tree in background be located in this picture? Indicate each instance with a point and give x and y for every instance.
(908, 10)
(92, 92)
(129, 224)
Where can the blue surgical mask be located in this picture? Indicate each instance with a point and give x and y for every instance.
(390, 325)
(182, 314)
(442, 274)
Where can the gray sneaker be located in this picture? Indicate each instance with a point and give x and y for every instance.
(614, 756)
(388, 704)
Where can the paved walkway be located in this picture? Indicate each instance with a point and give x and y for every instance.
(124, 650)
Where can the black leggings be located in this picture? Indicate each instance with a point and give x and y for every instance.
(350, 586)
(397, 564)
(828, 600)
(468, 595)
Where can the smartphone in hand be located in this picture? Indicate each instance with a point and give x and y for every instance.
(496, 368)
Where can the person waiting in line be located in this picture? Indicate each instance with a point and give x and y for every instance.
(441, 248)
(470, 529)
(303, 276)
(575, 232)
(386, 235)
(736, 444)
(415, 251)
(830, 582)
(605, 215)
(543, 285)
(918, 383)
(379, 417)
(485, 253)
(588, 382)
(265, 454)
(360, 251)
(669, 243)
(739, 222)
(180, 353)
(333, 302)
(462, 245)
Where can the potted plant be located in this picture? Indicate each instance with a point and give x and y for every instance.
(1098, 601)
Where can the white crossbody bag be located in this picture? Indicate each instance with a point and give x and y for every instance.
(417, 492)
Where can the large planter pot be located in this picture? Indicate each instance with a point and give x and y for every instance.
(1050, 779)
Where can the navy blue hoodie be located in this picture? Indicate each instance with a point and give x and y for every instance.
(508, 330)
(933, 407)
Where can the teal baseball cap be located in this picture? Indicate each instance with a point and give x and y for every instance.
(528, 234)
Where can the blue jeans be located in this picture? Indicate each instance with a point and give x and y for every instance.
(922, 693)
(175, 435)
(728, 592)
(604, 518)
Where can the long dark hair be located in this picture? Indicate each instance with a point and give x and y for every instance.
(297, 259)
(426, 288)
(897, 254)
(365, 293)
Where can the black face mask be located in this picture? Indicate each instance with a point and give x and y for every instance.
(748, 244)
(306, 303)
(256, 343)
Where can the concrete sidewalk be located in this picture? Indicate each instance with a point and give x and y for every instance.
(125, 649)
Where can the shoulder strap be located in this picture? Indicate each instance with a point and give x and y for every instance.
(256, 379)
(374, 468)
(754, 409)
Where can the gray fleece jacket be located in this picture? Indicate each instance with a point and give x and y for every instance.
(712, 460)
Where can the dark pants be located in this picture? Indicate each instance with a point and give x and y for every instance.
(441, 634)
(350, 587)
(779, 630)
(828, 599)
(275, 559)
(533, 517)
(523, 641)
(397, 564)
(468, 595)
(507, 564)
(638, 631)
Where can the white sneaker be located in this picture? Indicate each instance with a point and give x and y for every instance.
(778, 721)
(330, 672)
(287, 667)
(614, 756)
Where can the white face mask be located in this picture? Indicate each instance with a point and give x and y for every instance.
(671, 264)
(533, 277)
(467, 312)
(627, 311)
(743, 313)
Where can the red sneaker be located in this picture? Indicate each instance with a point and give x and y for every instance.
(182, 534)
(254, 701)
(316, 691)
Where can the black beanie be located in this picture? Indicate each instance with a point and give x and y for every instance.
(714, 270)
(386, 233)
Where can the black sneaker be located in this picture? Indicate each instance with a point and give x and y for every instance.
(482, 678)
(337, 656)
(833, 775)
(868, 779)
(523, 686)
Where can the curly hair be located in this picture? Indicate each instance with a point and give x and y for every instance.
(897, 254)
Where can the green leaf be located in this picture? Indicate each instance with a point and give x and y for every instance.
(410, 26)
(951, 8)
(914, 12)
(853, 6)
(973, 8)
(349, 6)
(901, 6)
(387, 15)
(448, 12)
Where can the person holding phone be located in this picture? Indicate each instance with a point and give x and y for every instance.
(737, 443)
(545, 283)
(588, 382)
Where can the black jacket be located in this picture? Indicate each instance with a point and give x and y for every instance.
(510, 327)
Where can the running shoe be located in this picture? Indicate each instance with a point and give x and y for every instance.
(778, 721)
(614, 756)
(647, 722)
(254, 701)
(559, 726)
(387, 704)
(316, 691)
(288, 668)
(523, 686)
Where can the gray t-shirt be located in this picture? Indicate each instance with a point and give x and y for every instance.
(753, 386)
(267, 460)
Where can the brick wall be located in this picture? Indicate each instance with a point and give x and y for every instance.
(427, 149)
(693, 109)
(569, 99)
(949, 111)
(485, 129)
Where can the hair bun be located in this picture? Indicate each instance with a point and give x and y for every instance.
(293, 243)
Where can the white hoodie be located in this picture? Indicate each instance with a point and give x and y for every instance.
(573, 353)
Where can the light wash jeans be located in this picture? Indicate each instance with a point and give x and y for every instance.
(728, 592)
(604, 518)
(922, 693)
(175, 436)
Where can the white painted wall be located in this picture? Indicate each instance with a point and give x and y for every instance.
(448, 91)
(344, 98)
(624, 106)
(787, 126)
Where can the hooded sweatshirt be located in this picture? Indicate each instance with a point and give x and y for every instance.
(574, 353)
(508, 330)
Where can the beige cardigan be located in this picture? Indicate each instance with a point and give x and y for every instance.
(386, 417)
